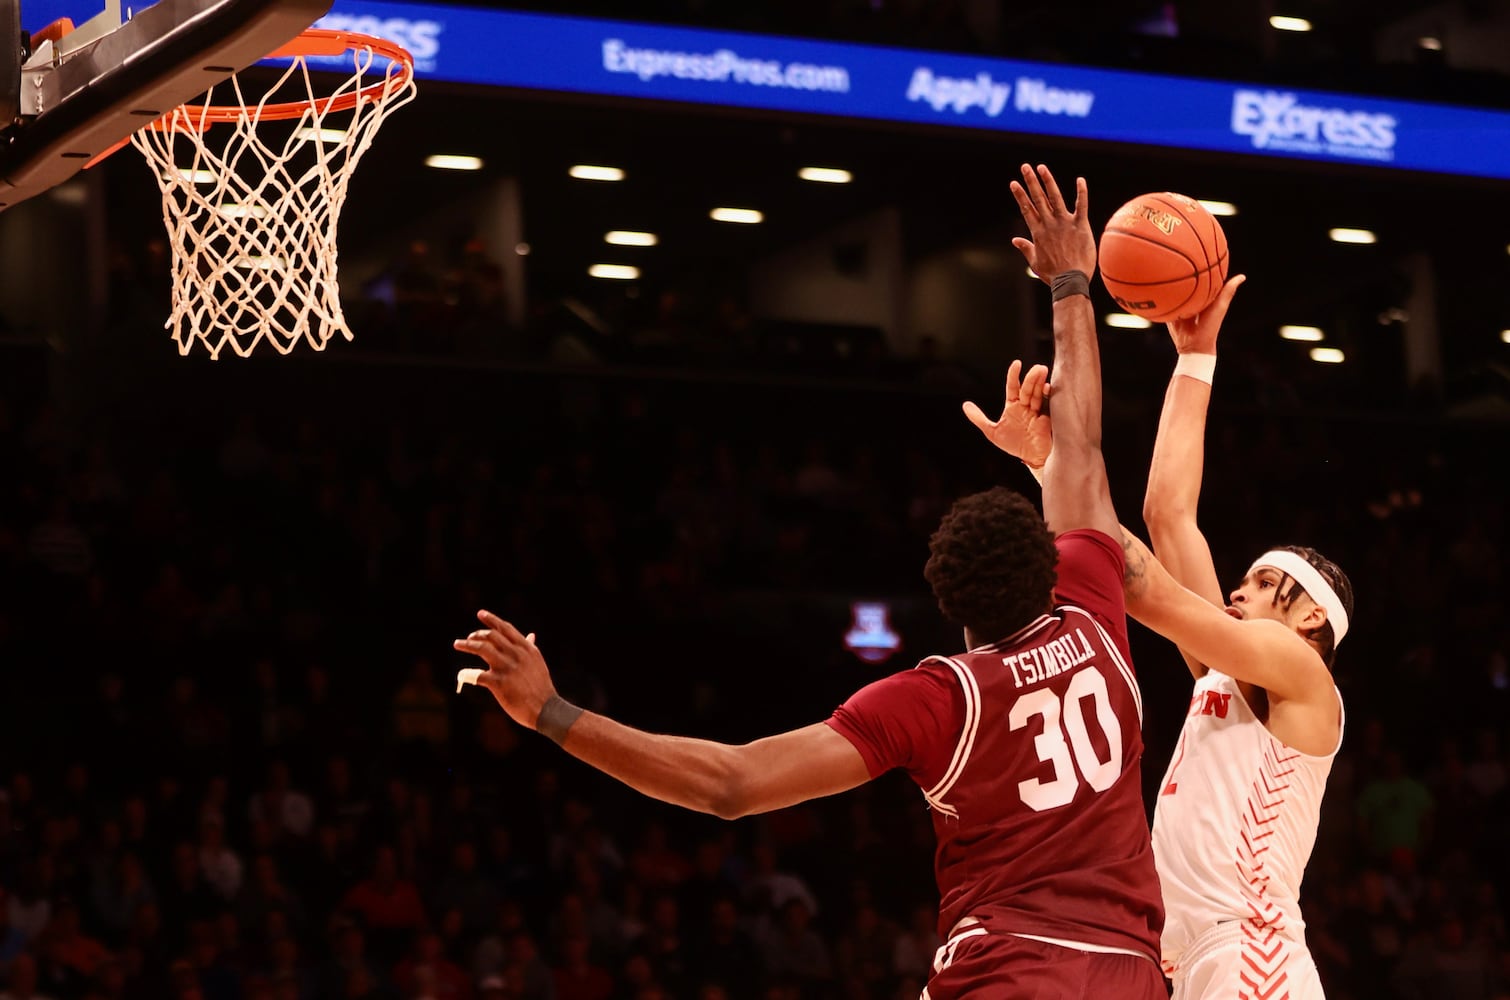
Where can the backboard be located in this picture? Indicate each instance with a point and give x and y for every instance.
(80, 92)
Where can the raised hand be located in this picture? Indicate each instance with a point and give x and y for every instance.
(1197, 334)
(516, 674)
(1062, 238)
(1023, 430)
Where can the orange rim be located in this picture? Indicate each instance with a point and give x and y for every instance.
(312, 42)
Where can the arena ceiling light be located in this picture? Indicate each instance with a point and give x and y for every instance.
(1430, 43)
(1309, 334)
(450, 161)
(1127, 321)
(1359, 236)
(1223, 208)
(745, 216)
(588, 172)
(1505, 336)
(618, 272)
(1280, 22)
(1328, 355)
(825, 175)
(630, 238)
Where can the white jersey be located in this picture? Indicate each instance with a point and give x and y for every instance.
(1235, 823)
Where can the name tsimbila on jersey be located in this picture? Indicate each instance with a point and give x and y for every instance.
(1057, 656)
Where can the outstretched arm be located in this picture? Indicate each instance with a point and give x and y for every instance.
(726, 781)
(1174, 475)
(1261, 652)
(1063, 251)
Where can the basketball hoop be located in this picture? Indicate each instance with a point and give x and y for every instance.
(252, 193)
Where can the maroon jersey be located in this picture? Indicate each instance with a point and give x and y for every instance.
(1028, 752)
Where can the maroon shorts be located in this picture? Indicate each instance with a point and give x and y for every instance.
(986, 966)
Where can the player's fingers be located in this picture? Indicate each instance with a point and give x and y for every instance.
(502, 630)
(1051, 190)
(1027, 249)
(1024, 203)
(480, 648)
(1014, 380)
(1035, 190)
(530, 638)
(1032, 386)
(1082, 200)
(979, 419)
(1217, 311)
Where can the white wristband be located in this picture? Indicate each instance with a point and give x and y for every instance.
(1200, 367)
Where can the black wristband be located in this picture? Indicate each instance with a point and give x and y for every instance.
(556, 717)
(1068, 283)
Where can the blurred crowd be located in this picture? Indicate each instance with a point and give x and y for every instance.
(234, 767)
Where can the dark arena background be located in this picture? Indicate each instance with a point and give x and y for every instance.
(232, 764)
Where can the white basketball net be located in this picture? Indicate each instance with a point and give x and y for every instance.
(251, 206)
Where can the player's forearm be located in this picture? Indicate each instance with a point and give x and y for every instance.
(1261, 652)
(1174, 488)
(1174, 475)
(1075, 491)
(696, 774)
(1076, 377)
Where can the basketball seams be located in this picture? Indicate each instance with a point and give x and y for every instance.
(1176, 251)
(1147, 284)
(1194, 267)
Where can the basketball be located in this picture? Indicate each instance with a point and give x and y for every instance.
(1163, 257)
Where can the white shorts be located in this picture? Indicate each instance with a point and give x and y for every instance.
(1237, 961)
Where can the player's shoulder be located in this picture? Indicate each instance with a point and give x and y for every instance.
(940, 666)
(930, 671)
(950, 672)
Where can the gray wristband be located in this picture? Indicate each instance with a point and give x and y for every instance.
(1069, 283)
(556, 717)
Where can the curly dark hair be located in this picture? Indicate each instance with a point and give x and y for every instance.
(991, 564)
(1325, 638)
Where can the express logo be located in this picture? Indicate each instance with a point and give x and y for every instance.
(421, 38)
(1279, 121)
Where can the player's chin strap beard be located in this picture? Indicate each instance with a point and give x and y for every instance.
(1309, 578)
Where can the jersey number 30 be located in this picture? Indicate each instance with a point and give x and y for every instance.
(1064, 720)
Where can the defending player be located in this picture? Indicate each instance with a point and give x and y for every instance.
(1027, 747)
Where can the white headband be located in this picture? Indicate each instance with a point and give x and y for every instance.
(1312, 582)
